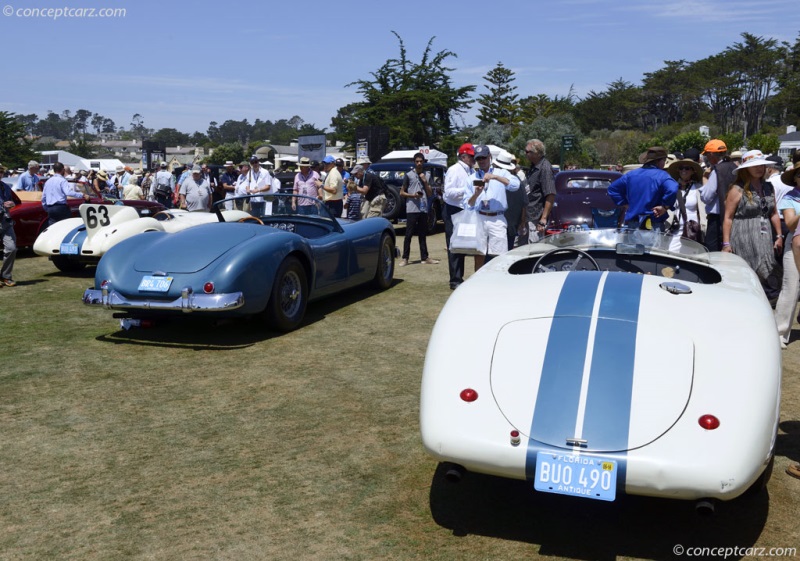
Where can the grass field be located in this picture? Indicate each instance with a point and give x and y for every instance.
(203, 441)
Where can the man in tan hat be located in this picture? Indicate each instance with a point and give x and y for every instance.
(648, 191)
(305, 183)
(714, 192)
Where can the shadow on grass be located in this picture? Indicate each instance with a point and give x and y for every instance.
(577, 528)
(202, 333)
(788, 444)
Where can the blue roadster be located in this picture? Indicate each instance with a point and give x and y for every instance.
(289, 251)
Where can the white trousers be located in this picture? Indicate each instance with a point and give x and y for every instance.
(787, 301)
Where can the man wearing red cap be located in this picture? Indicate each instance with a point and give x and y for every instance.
(715, 190)
(457, 182)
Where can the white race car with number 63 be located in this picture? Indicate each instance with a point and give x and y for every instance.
(605, 363)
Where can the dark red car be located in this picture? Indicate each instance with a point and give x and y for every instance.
(582, 201)
(30, 218)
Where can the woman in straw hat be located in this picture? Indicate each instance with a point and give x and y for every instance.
(751, 218)
(689, 176)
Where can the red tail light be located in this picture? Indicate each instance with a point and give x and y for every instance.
(208, 287)
(469, 395)
(708, 422)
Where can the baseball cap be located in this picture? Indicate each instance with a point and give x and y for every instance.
(466, 149)
(328, 160)
(254, 158)
(339, 162)
(715, 145)
(482, 151)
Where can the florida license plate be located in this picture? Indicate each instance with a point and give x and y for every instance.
(155, 284)
(578, 476)
(68, 249)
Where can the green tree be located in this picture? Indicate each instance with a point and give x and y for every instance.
(682, 142)
(416, 101)
(549, 130)
(767, 143)
(80, 147)
(172, 137)
(786, 103)
(232, 151)
(500, 104)
(15, 149)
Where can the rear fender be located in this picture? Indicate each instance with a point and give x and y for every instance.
(49, 241)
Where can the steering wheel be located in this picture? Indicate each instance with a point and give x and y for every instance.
(162, 215)
(251, 219)
(538, 268)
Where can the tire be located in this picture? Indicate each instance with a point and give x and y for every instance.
(67, 265)
(384, 273)
(287, 303)
(433, 218)
(392, 209)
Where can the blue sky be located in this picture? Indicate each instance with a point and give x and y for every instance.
(184, 64)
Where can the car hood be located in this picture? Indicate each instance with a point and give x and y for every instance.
(609, 379)
(194, 249)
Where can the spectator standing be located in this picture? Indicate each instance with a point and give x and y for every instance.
(354, 199)
(517, 212)
(345, 175)
(488, 197)
(751, 217)
(100, 183)
(789, 207)
(457, 182)
(205, 172)
(163, 186)
(372, 190)
(29, 180)
(195, 193)
(541, 189)
(305, 183)
(55, 193)
(7, 235)
(185, 174)
(258, 182)
(241, 185)
(648, 191)
(416, 190)
(715, 191)
(332, 188)
(227, 184)
(132, 191)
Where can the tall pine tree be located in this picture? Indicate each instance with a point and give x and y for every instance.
(500, 104)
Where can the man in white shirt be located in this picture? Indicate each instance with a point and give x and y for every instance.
(258, 180)
(195, 193)
(457, 181)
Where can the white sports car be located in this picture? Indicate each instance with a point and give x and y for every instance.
(73, 243)
(602, 363)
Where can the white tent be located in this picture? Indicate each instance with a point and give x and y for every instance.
(431, 154)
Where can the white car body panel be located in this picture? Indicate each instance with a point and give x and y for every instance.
(714, 351)
(107, 225)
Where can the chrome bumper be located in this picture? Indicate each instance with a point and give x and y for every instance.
(188, 301)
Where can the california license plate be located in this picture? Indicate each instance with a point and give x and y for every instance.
(68, 249)
(575, 475)
(155, 284)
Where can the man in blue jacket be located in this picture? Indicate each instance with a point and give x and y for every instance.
(648, 191)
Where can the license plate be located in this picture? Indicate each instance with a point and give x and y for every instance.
(578, 476)
(69, 249)
(155, 284)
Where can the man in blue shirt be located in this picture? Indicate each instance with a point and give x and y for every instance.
(7, 236)
(648, 191)
(55, 193)
(29, 181)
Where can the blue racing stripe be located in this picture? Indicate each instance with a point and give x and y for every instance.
(607, 416)
(608, 407)
(562, 371)
(76, 235)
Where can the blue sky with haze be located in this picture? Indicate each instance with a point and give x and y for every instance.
(184, 64)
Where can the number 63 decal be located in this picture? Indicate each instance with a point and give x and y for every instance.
(97, 216)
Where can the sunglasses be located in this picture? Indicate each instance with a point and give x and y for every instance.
(482, 157)
(685, 168)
